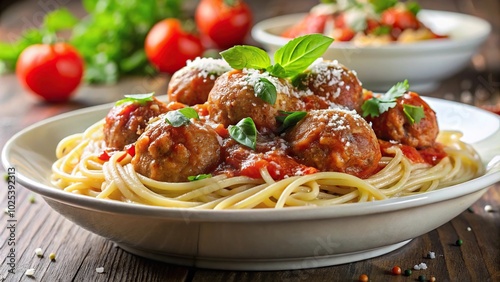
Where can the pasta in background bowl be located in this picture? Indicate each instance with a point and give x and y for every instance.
(264, 239)
(423, 63)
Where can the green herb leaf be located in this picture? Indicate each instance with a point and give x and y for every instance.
(299, 53)
(59, 19)
(413, 113)
(382, 5)
(199, 177)
(265, 90)
(181, 117)
(413, 7)
(382, 30)
(277, 70)
(189, 112)
(289, 119)
(244, 132)
(136, 98)
(243, 56)
(378, 105)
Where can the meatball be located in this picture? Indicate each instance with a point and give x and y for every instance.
(191, 84)
(393, 125)
(167, 153)
(335, 140)
(233, 98)
(334, 83)
(125, 122)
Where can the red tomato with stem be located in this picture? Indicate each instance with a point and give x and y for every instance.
(168, 46)
(225, 22)
(51, 71)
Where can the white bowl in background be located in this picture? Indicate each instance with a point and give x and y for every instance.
(423, 63)
(259, 239)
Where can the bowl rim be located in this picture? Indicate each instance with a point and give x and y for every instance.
(261, 34)
(263, 215)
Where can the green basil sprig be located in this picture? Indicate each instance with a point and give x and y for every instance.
(244, 132)
(289, 61)
(136, 98)
(181, 117)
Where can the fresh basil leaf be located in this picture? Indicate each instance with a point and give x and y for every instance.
(289, 119)
(189, 112)
(265, 90)
(277, 70)
(181, 117)
(413, 113)
(299, 53)
(244, 132)
(136, 98)
(243, 56)
(199, 177)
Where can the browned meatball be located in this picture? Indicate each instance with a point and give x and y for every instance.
(233, 98)
(191, 84)
(336, 140)
(167, 153)
(393, 125)
(125, 122)
(334, 83)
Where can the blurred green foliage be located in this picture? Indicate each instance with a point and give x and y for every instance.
(110, 38)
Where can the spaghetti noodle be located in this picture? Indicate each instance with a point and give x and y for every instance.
(80, 170)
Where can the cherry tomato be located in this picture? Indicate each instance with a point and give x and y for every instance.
(52, 71)
(225, 22)
(399, 19)
(168, 46)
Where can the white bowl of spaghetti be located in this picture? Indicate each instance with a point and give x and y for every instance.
(257, 239)
(423, 63)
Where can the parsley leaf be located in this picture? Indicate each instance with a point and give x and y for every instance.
(244, 132)
(181, 117)
(413, 113)
(378, 105)
(136, 98)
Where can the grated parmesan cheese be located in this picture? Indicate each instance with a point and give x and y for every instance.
(209, 67)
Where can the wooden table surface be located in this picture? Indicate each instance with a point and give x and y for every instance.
(80, 252)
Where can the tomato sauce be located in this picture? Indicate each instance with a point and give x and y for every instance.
(429, 155)
(270, 154)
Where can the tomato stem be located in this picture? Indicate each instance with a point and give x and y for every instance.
(231, 3)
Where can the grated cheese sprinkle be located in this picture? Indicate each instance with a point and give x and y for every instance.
(209, 67)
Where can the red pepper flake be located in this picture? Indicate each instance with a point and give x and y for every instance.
(104, 156)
